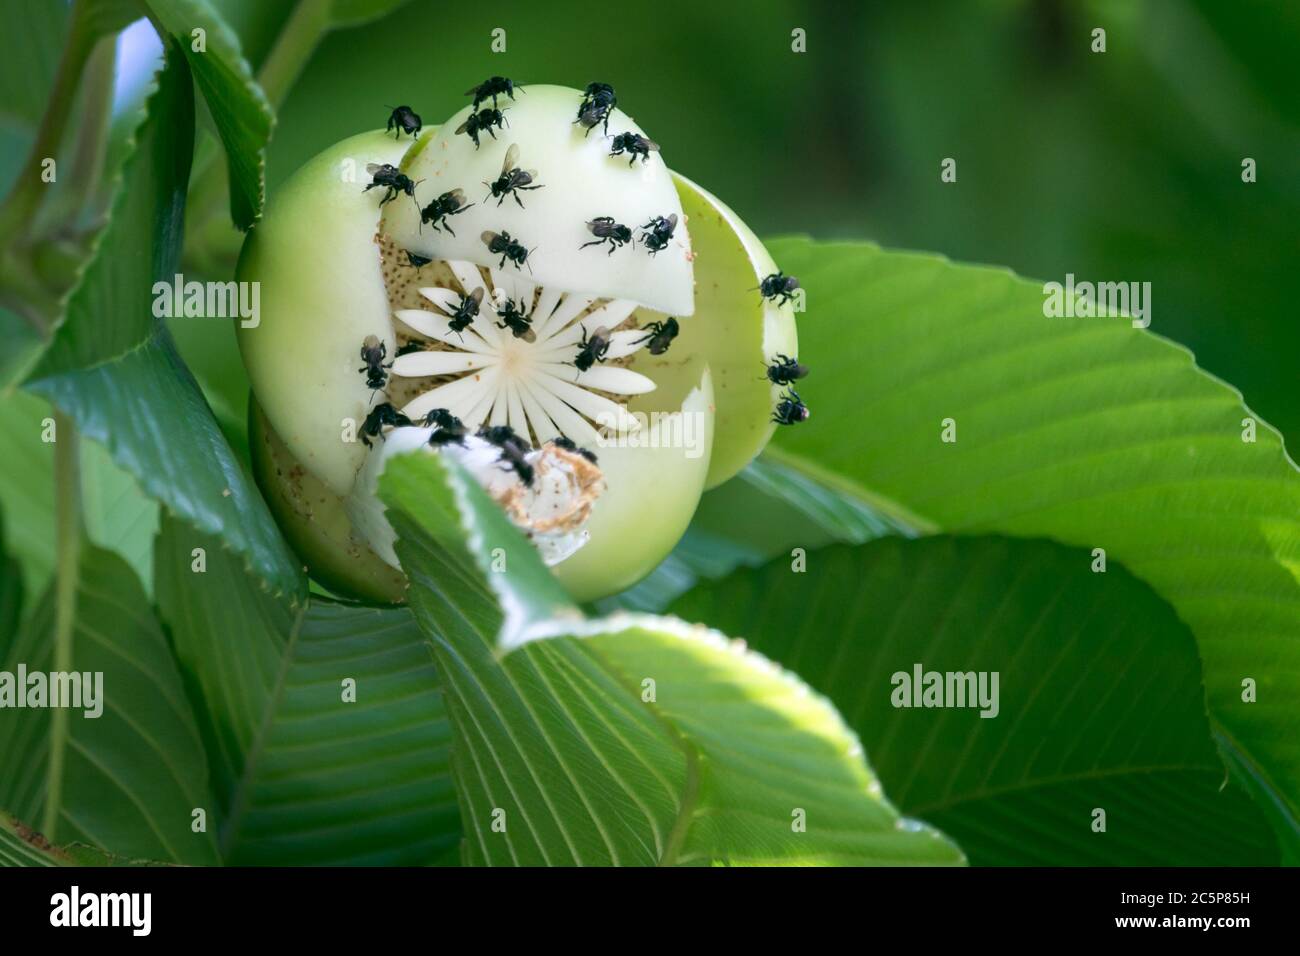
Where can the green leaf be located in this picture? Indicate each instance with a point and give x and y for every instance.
(239, 108)
(20, 845)
(132, 776)
(1099, 698)
(210, 351)
(23, 344)
(146, 409)
(113, 369)
(1085, 430)
(26, 486)
(11, 594)
(301, 775)
(765, 510)
(110, 311)
(119, 517)
(565, 755)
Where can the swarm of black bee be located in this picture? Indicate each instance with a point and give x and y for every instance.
(784, 370)
(595, 109)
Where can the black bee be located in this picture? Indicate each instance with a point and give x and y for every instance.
(634, 145)
(404, 120)
(440, 418)
(392, 179)
(513, 450)
(412, 346)
(482, 122)
(568, 444)
(449, 430)
(415, 260)
(373, 353)
(493, 86)
(778, 286)
(520, 325)
(658, 232)
(592, 350)
(661, 336)
(507, 247)
(380, 416)
(512, 178)
(605, 229)
(466, 311)
(785, 370)
(790, 410)
(597, 103)
(450, 203)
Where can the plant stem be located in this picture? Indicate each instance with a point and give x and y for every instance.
(302, 33)
(21, 289)
(91, 144)
(20, 205)
(67, 511)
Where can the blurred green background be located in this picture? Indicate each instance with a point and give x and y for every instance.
(1121, 166)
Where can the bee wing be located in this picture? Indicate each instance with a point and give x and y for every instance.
(512, 158)
(672, 221)
(465, 125)
(477, 295)
(373, 167)
(488, 236)
(474, 89)
(651, 145)
(457, 196)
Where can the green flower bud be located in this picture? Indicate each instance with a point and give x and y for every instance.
(531, 284)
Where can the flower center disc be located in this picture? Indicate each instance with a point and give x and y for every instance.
(494, 348)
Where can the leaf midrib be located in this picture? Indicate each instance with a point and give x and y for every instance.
(689, 798)
(895, 510)
(1084, 775)
(69, 545)
(239, 799)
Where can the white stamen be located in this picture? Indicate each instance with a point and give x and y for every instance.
(529, 383)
